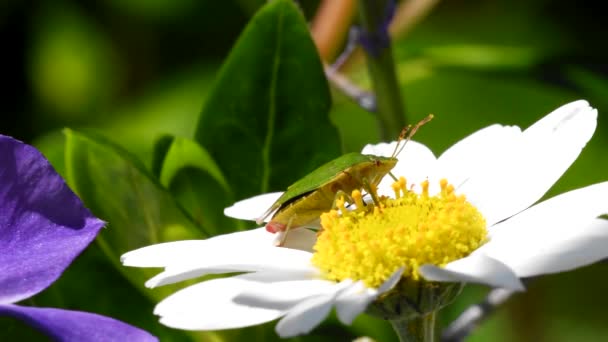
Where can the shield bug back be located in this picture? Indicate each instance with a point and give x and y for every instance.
(306, 199)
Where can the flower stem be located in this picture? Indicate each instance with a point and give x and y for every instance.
(375, 16)
(419, 329)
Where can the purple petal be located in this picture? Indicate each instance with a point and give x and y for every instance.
(67, 325)
(43, 225)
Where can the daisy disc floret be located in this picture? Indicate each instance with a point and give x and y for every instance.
(373, 241)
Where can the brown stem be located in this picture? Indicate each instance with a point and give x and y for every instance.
(330, 25)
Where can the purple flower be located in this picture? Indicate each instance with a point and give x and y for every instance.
(374, 41)
(43, 227)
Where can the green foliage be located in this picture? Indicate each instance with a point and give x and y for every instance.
(69, 49)
(92, 284)
(144, 207)
(16, 330)
(192, 176)
(265, 121)
(118, 189)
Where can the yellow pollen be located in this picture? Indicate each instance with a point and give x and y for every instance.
(396, 189)
(340, 204)
(409, 231)
(425, 188)
(358, 198)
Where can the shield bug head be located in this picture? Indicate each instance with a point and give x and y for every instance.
(305, 200)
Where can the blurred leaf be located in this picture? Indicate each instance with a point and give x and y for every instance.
(266, 121)
(250, 6)
(52, 146)
(15, 330)
(117, 188)
(92, 284)
(72, 64)
(161, 147)
(506, 23)
(484, 56)
(154, 9)
(357, 126)
(594, 85)
(473, 100)
(168, 106)
(194, 178)
(376, 328)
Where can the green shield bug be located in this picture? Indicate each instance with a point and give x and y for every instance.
(306, 199)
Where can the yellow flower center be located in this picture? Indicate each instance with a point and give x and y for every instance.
(373, 241)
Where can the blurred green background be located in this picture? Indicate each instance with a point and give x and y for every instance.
(135, 71)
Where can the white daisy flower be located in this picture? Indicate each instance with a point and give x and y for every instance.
(467, 216)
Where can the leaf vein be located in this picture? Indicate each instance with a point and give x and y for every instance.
(272, 106)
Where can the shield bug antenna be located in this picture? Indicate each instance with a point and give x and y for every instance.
(407, 133)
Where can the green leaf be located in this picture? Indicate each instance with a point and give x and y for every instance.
(196, 181)
(266, 120)
(184, 152)
(118, 189)
(92, 284)
(16, 330)
(161, 147)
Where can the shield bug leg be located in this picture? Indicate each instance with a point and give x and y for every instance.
(275, 227)
(371, 190)
(393, 176)
(341, 197)
(284, 233)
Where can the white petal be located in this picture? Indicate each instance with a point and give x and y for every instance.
(559, 255)
(554, 218)
(474, 154)
(171, 253)
(416, 163)
(476, 268)
(283, 295)
(252, 208)
(209, 306)
(559, 225)
(295, 276)
(381, 149)
(307, 314)
(275, 259)
(522, 176)
(392, 281)
(353, 301)
(251, 250)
